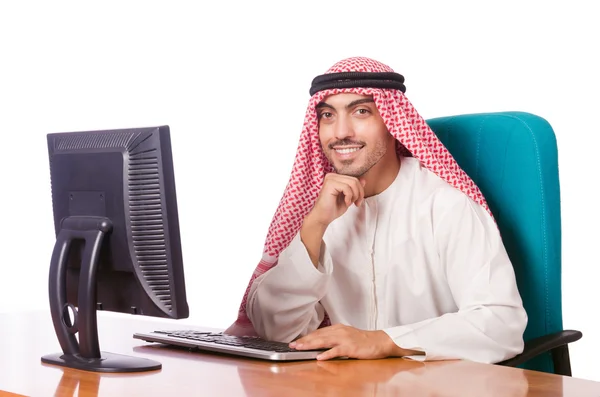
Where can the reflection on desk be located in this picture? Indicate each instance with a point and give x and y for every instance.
(89, 385)
(396, 377)
(24, 338)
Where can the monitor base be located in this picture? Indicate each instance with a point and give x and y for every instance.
(109, 362)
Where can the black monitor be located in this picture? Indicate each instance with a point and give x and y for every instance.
(117, 245)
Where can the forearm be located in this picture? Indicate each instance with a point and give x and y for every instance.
(284, 302)
(481, 334)
(311, 235)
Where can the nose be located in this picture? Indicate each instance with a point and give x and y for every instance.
(343, 128)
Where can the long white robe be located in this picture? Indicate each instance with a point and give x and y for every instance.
(420, 261)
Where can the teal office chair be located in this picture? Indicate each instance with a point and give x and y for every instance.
(512, 157)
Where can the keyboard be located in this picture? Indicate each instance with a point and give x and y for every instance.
(218, 342)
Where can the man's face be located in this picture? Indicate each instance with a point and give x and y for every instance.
(352, 133)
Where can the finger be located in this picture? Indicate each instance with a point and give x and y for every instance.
(324, 331)
(344, 179)
(360, 187)
(346, 190)
(315, 333)
(350, 195)
(331, 353)
(334, 187)
(357, 188)
(319, 342)
(319, 339)
(341, 177)
(301, 341)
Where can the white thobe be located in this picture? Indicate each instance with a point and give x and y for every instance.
(421, 261)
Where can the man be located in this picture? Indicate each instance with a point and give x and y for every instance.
(381, 234)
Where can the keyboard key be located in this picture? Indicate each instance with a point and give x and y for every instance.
(251, 342)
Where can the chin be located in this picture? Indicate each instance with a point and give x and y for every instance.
(354, 172)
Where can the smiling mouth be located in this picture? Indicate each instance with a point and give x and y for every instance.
(347, 150)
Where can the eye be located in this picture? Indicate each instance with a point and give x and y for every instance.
(362, 111)
(326, 115)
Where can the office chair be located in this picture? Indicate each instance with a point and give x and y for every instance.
(512, 157)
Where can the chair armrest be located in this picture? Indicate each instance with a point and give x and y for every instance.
(537, 346)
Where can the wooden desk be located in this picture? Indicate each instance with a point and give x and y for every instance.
(24, 338)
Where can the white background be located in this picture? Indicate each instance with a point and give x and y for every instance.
(231, 80)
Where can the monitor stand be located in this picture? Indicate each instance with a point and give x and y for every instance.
(85, 354)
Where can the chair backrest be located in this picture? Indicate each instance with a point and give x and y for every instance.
(512, 157)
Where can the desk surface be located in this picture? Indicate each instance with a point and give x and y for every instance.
(24, 338)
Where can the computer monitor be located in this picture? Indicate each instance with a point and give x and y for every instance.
(117, 244)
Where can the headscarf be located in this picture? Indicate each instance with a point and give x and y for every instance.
(362, 76)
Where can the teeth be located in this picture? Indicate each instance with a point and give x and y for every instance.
(346, 151)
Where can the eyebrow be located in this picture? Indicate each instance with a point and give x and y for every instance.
(348, 106)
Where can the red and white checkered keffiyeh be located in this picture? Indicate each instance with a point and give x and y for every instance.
(311, 165)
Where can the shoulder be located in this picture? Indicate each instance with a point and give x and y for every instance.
(439, 200)
(427, 188)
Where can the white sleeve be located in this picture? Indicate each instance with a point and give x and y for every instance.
(490, 321)
(283, 303)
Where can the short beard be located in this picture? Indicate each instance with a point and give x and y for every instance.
(372, 158)
(347, 170)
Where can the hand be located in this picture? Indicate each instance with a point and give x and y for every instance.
(345, 341)
(337, 194)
